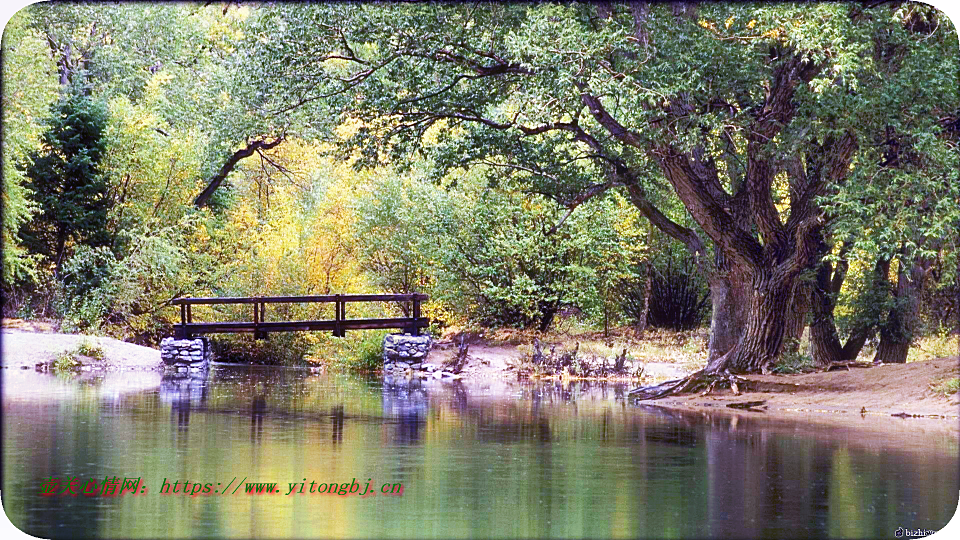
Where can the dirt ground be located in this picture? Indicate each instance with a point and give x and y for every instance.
(887, 389)
(870, 391)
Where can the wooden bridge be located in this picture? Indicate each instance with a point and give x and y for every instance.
(260, 326)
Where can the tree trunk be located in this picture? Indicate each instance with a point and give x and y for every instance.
(547, 313)
(765, 330)
(730, 296)
(797, 316)
(824, 341)
(60, 250)
(221, 175)
(647, 282)
(897, 333)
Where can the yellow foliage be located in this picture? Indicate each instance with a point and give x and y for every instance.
(349, 128)
(291, 230)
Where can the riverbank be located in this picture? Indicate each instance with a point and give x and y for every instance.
(905, 390)
(494, 362)
(30, 345)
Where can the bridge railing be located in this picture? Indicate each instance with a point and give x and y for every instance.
(259, 325)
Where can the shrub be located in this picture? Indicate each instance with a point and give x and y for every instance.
(66, 362)
(358, 352)
(89, 349)
(793, 361)
(678, 300)
(280, 349)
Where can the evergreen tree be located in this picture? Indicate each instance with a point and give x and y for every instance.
(66, 183)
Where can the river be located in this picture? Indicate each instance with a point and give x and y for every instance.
(483, 461)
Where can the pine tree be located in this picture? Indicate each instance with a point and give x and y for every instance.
(66, 182)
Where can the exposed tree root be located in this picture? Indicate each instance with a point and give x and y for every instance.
(834, 366)
(701, 381)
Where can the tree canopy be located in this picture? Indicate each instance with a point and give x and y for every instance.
(783, 145)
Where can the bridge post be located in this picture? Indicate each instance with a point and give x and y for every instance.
(182, 330)
(263, 318)
(416, 315)
(338, 307)
(256, 320)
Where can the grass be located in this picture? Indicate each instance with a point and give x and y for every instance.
(89, 349)
(66, 362)
(946, 387)
(934, 346)
(69, 361)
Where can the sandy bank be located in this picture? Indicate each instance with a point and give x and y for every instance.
(25, 349)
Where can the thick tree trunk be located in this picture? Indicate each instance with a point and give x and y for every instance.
(797, 316)
(730, 296)
(892, 349)
(897, 333)
(765, 330)
(825, 342)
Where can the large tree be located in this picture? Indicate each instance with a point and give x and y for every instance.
(65, 181)
(750, 116)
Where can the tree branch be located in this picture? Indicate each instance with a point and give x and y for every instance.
(260, 144)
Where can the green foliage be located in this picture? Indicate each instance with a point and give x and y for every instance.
(497, 256)
(793, 360)
(66, 183)
(68, 362)
(397, 236)
(935, 346)
(946, 387)
(89, 349)
(126, 296)
(28, 91)
(85, 288)
(481, 111)
(358, 352)
(281, 349)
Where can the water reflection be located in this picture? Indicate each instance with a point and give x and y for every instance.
(481, 460)
(408, 401)
(183, 391)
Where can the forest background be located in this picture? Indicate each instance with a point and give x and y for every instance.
(785, 174)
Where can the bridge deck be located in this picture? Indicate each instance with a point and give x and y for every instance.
(260, 327)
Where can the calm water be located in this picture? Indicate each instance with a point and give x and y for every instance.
(545, 460)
